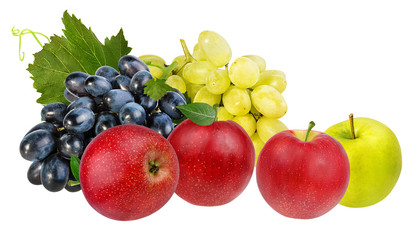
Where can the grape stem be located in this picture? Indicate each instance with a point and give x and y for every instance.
(18, 33)
(351, 117)
(187, 54)
(311, 125)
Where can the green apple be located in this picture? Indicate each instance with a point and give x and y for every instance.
(375, 160)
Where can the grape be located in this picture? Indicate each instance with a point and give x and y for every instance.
(138, 81)
(215, 48)
(34, 172)
(69, 96)
(97, 86)
(79, 120)
(175, 81)
(129, 65)
(132, 113)
(152, 59)
(83, 102)
(74, 83)
(107, 72)
(55, 173)
(148, 103)
(169, 103)
(217, 82)
(180, 61)
(268, 101)
(180, 93)
(156, 72)
(121, 82)
(104, 121)
(224, 115)
(70, 144)
(204, 96)
(198, 54)
(161, 123)
(54, 112)
(258, 145)
(268, 127)
(261, 63)
(192, 89)
(116, 98)
(45, 126)
(74, 188)
(196, 72)
(37, 145)
(243, 72)
(247, 122)
(273, 78)
(236, 101)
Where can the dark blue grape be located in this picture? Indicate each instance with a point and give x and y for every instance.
(97, 86)
(70, 144)
(138, 81)
(180, 93)
(55, 173)
(129, 65)
(69, 96)
(107, 72)
(83, 102)
(104, 121)
(45, 126)
(121, 82)
(54, 112)
(74, 83)
(116, 98)
(169, 103)
(147, 103)
(79, 120)
(74, 188)
(34, 172)
(161, 123)
(37, 145)
(132, 113)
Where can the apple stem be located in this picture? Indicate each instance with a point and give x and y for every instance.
(352, 126)
(153, 167)
(311, 125)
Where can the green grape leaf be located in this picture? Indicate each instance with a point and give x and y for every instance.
(78, 50)
(156, 89)
(200, 113)
(75, 167)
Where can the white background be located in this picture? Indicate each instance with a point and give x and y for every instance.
(339, 57)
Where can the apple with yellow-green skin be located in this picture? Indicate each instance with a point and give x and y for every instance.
(375, 160)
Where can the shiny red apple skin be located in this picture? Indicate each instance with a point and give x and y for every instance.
(216, 161)
(115, 176)
(301, 179)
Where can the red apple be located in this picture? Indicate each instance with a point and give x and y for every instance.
(216, 161)
(302, 174)
(128, 172)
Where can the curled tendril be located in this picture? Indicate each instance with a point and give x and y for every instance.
(18, 33)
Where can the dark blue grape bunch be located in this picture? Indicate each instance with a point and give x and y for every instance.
(97, 102)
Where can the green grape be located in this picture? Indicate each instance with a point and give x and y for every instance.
(180, 61)
(243, 72)
(196, 72)
(153, 59)
(237, 101)
(258, 145)
(247, 122)
(268, 127)
(192, 89)
(177, 82)
(261, 63)
(217, 82)
(273, 78)
(156, 72)
(268, 101)
(198, 54)
(204, 96)
(215, 48)
(224, 115)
